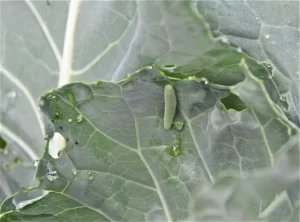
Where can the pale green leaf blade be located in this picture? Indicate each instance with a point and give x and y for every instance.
(259, 196)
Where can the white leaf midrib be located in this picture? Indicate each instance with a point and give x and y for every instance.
(156, 183)
(67, 58)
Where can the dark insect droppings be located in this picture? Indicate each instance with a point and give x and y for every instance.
(76, 142)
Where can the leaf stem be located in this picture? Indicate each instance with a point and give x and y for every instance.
(67, 59)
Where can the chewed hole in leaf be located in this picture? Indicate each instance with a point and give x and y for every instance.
(233, 102)
(56, 144)
(26, 197)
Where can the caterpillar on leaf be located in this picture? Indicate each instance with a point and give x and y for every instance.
(170, 106)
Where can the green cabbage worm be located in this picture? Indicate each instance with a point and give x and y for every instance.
(170, 106)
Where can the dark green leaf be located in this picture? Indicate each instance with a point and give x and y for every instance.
(116, 161)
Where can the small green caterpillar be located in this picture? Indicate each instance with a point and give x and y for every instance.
(170, 106)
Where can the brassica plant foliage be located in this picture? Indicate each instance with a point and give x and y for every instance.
(83, 104)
